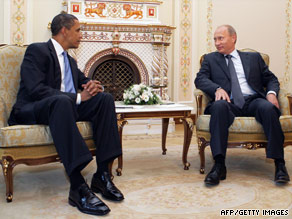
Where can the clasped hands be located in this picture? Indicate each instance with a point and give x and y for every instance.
(90, 89)
(221, 94)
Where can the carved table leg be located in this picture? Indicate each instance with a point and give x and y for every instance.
(7, 166)
(121, 123)
(188, 132)
(201, 146)
(165, 122)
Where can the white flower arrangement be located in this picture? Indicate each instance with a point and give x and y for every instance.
(140, 94)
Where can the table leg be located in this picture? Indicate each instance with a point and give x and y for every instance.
(121, 123)
(188, 132)
(165, 122)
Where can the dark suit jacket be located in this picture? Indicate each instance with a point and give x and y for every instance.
(214, 73)
(41, 77)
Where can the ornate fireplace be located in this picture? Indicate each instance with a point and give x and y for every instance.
(123, 43)
(117, 73)
(125, 36)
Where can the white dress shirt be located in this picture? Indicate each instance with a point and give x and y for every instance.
(59, 50)
(245, 88)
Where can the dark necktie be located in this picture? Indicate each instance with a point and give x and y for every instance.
(68, 80)
(238, 98)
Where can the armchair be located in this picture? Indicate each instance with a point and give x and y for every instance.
(245, 132)
(24, 144)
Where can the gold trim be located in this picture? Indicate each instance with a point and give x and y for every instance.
(126, 25)
(5, 166)
(134, 1)
(9, 198)
(286, 78)
(190, 123)
(200, 143)
(115, 26)
(209, 26)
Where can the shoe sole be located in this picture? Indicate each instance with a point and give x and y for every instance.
(72, 203)
(214, 184)
(282, 181)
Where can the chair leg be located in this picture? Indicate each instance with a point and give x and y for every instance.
(201, 146)
(7, 167)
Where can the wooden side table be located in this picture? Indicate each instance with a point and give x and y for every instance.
(175, 110)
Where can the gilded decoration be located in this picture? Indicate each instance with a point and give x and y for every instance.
(185, 48)
(18, 22)
(119, 11)
(286, 80)
(5, 166)
(209, 26)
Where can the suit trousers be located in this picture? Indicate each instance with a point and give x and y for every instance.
(223, 114)
(61, 113)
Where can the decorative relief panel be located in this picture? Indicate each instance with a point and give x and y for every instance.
(287, 76)
(138, 11)
(185, 93)
(18, 22)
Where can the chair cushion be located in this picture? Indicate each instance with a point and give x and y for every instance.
(244, 124)
(35, 135)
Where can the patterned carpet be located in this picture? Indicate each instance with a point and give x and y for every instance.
(156, 186)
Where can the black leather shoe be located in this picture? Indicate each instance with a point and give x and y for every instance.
(104, 185)
(217, 173)
(281, 174)
(86, 201)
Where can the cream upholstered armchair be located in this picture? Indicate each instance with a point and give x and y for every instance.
(245, 132)
(23, 144)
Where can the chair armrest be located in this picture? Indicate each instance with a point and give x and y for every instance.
(3, 113)
(199, 96)
(290, 103)
(202, 100)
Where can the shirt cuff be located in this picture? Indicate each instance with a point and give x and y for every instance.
(78, 99)
(272, 92)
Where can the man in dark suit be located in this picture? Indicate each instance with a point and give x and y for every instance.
(240, 84)
(54, 92)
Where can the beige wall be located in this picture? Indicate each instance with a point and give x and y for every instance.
(1, 20)
(43, 13)
(260, 25)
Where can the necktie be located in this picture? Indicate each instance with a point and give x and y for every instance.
(235, 87)
(68, 80)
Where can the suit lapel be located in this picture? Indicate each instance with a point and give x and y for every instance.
(245, 60)
(222, 63)
(57, 72)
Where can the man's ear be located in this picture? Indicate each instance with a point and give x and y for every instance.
(63, 31)
(234, 38)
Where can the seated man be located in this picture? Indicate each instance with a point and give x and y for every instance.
(54, 92)
(240, 84)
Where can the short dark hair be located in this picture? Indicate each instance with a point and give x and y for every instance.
(62, 20)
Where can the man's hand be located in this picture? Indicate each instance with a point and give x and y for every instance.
(93, 87)
(85, 95)
(273, 99)
(221, 94)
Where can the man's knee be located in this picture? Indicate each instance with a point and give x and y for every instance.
(219, 106)
(268, 109)
(106, 97)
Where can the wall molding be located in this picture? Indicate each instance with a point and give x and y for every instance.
(185, 37)
(286, 79)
